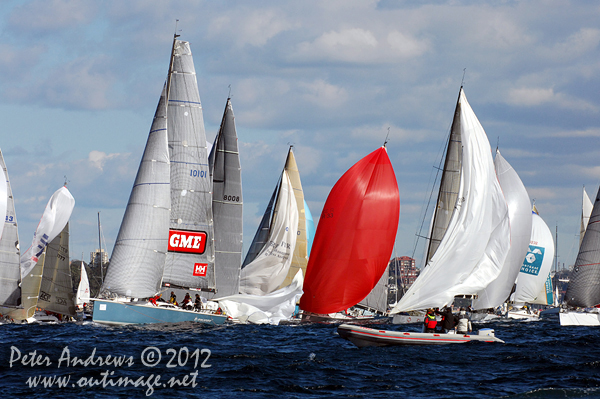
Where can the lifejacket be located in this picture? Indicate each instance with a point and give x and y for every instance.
(430, 321)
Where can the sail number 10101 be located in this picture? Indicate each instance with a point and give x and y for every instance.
(197, 173)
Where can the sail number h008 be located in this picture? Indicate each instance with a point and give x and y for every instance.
(187, 241)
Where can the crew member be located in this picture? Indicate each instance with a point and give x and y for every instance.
(430, 321)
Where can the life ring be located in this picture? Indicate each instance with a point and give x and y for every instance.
(409, 319)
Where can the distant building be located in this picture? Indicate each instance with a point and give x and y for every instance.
(403, 273)
(98, 255)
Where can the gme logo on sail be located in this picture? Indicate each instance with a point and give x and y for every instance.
(187, 241)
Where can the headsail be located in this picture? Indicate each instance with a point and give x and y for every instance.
(138, 258)
(355, 236)
(83, 289)
(584, 289)
(226, 173)
(476, 242)
(270, 267)
(300, 257)
(518, 203)
(10, 271)
(537, 263)
(586, 210)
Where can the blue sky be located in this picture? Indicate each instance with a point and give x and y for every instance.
(81, 81)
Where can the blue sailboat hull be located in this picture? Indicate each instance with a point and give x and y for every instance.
(121, 313)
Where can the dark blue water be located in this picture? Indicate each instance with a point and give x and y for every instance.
(539, 360)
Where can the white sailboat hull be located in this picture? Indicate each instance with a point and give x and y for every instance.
(363, 336)
(571, 318)
(522, 315)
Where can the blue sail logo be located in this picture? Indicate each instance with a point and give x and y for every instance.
(533, 260)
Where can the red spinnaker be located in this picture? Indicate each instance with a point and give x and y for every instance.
(355, 236)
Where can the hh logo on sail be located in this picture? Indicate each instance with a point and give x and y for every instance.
(200, 269)
(187, 241)
(533, 260)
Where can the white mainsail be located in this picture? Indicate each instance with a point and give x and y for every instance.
(378, 297)
(520, 231)
(475, 245)
(586, 211)
(537, 263)
(268, 270)
(10, 272)
(83, 290)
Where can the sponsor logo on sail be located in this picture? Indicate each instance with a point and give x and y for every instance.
(200, 269)
(187, 241)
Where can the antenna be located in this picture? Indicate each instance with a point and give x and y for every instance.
(229, 95)
(498, 144)
(386, 137)
(462, 83)
(66, 180)
(176, 35)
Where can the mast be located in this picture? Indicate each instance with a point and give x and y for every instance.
(99, 250)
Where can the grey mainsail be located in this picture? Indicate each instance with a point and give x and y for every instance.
(191, 256)
(378, 297)
(227, 203)
(56, 290)
(138, 258)
(262, 233)
(584, 279)
(449, 187)
(10, 274)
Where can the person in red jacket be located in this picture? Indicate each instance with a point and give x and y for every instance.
(430, 321)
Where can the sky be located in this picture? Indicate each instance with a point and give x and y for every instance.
(81, 80)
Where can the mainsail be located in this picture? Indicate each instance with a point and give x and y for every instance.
(536, 265)
(377, 299)
(10, 274)
(518, 203)
(300, 257)
(355, 236)
(586, 210)
(584, 279)
(188, 265)
(226, 172)
(270, 267)
(56, 290)
(476, 242)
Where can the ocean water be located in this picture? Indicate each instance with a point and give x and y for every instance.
(538, 360)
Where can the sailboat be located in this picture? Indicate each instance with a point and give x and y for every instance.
(264, 297)
(10, 272)
(166, 236)
(354, 239)
(227, 202)
(470, 250)
(83, 292)
(583, 292)
(517, 199)
(49, 245)
(534, 285)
